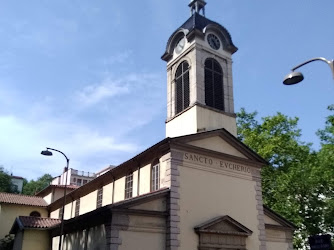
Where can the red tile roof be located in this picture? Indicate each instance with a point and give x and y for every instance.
(22, 200)
(38, 222)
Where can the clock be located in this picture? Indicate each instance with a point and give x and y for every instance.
(180, 45)
(213, 41)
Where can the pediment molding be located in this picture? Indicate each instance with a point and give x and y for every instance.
(224, 225)
(222, 233)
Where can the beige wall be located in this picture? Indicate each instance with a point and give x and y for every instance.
(9, 212)
(69, 210)
(48, 198)
(55, 214)
(278, 238)
(206, 193)
(199, 118)
(107, 194)
(142, 240)
(35, 240)
(88, 202)
(145, 178)
(277, 245)
(217, 144)
(119, 189)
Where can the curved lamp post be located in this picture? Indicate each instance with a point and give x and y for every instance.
(49, 153)
(296, 77)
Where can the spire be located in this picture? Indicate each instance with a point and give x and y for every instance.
(197, 6)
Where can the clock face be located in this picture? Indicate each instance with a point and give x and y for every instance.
(213, 41)
(180, 45)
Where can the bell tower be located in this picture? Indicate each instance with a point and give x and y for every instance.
(199, 76)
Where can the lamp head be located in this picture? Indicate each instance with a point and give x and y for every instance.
(46, 152)
(293, 78)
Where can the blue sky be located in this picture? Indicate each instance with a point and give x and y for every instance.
(86, 77)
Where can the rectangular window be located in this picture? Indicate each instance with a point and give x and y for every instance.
(84, 182)
(79, 182)
(155, 177)
(99, 197)
(60, 215)
(77, 207)
(128, 186)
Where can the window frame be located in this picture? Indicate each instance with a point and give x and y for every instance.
(128, 190)
(155, 176)
(214, 82)
(77, 207)
(182, 93)
(99, 198)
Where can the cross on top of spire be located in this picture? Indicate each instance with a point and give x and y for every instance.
(197, 6)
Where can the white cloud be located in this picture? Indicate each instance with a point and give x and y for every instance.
(113, 87)
(93, 94)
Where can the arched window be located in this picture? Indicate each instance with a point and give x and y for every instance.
(214, 87)
(35, 214)
(182, 87)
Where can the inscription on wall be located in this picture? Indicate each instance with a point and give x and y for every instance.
(226, 165)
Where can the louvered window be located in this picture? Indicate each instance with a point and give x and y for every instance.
(182, 87)
(155, 177)
(128, 186)
(214, 87)
(60, 215)
(77, 207)
(99, 197)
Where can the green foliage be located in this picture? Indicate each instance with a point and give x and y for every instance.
(5, 181)
(7, 243)
(32, 187)
(298, 182)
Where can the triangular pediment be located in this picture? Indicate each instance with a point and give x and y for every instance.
(220, 141)
(224, 225)
(217, 144)
(272, 219)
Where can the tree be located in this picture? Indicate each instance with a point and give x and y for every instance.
(297, 182)
(5, 181)
(32, 187)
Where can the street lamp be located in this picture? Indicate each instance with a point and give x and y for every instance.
(49, 153)
(296, 77)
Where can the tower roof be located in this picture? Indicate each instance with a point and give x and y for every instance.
(197, 25)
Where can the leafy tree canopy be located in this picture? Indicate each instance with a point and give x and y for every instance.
(298, 182)
(33, 187)
(5, 181)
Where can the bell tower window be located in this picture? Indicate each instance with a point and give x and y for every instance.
(214, 86)
(182, 87)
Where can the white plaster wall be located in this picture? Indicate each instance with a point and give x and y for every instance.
(183, 124)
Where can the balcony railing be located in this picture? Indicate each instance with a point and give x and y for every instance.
(83, 173)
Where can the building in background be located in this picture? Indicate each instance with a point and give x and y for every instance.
(14, 205)
(17, 183)
(74, 177)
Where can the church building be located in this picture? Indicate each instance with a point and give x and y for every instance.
(199, 188)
